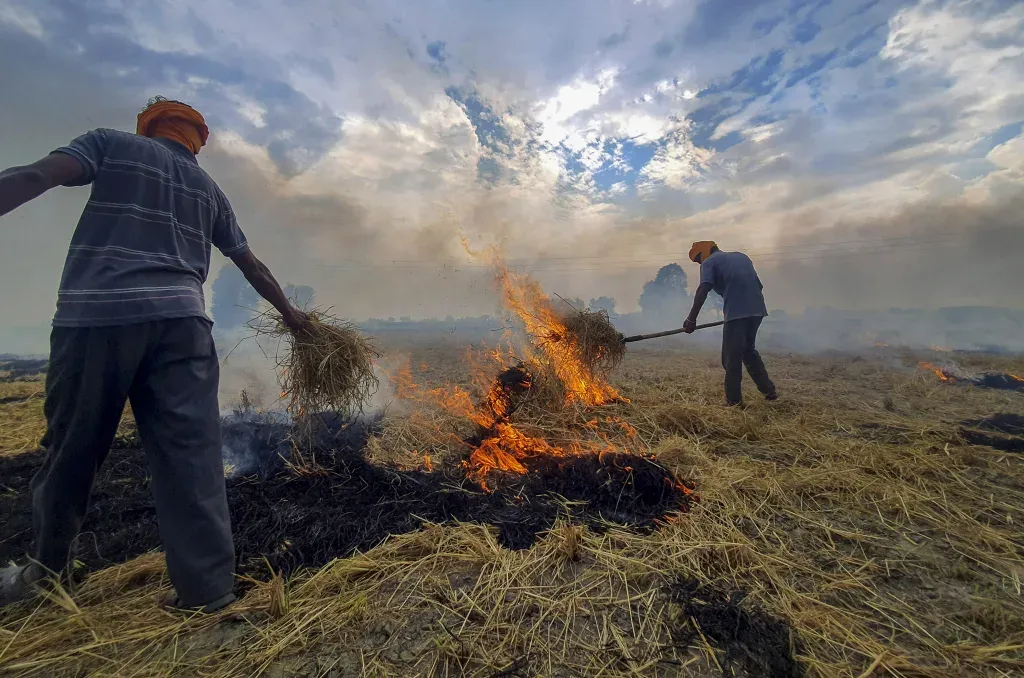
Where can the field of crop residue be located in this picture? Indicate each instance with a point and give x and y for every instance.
(869, 523)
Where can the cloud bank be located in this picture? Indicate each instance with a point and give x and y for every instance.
(867, 154)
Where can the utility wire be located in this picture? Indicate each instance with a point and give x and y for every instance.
(812, 247)
(800, 254)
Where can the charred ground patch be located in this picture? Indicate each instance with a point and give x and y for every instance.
(343, 504)
(14, 369)
(1000, 431)
(743, 636)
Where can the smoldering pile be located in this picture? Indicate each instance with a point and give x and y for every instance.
(502, 456)
(305, 520)
(952, 373)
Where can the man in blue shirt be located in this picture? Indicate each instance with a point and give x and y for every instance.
(131, 325)
(732, 276)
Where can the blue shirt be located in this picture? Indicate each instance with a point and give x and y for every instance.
(732, 276)
(141, 250)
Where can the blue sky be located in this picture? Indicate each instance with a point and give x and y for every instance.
(567, 129)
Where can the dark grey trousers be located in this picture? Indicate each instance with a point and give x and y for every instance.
(738, 349)
(169, 372)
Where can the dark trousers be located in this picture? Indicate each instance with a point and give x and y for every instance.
(169, 372)
(738, 349)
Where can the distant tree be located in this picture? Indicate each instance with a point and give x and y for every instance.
(667, 294)
(603, 304)
(234, 299)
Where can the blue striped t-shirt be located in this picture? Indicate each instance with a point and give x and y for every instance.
(141, 250)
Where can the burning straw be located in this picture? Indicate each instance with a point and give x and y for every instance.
(597, 342)
(326, 368)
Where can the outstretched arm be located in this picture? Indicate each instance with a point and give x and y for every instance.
(264, 282)
(18, 185)
(699, 297)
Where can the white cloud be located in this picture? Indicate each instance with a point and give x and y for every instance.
(981, 57)
(641, 127)
(1008, 155)
(678, 165)
(579, 96)
(21, 19)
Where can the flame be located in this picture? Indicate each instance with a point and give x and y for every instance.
(1016, 378)
(937, 370)
(554, 347)
(490, 404)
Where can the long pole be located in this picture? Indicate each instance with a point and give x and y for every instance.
(668, 333)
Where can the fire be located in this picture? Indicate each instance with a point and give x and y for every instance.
(937, 370)
(551, 354)
(506, 451)
(554, 347)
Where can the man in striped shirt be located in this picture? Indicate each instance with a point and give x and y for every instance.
(131, 325)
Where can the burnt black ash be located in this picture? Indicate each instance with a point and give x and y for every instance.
(20, 368)
(999, 380)
(1003, 432)
(298, 520)
(744, 636)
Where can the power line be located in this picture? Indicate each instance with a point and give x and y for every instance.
(630, 264)
(898, 243)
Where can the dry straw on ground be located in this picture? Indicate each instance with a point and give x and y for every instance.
(328, 367)
(22, 424)
(851, 509)
(21, 416)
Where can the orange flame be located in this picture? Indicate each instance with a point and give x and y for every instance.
(937, 370)
(551, 351)
(554, 347)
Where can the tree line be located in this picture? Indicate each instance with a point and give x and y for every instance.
(667, 294)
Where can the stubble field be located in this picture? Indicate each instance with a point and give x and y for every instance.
(856, 527)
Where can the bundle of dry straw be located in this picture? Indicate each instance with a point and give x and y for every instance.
(599, 344)
(328, 367)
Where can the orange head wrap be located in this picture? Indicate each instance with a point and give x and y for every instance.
(175, 121)
(701, 250)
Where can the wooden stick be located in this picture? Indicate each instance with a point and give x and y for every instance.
(641, 337)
